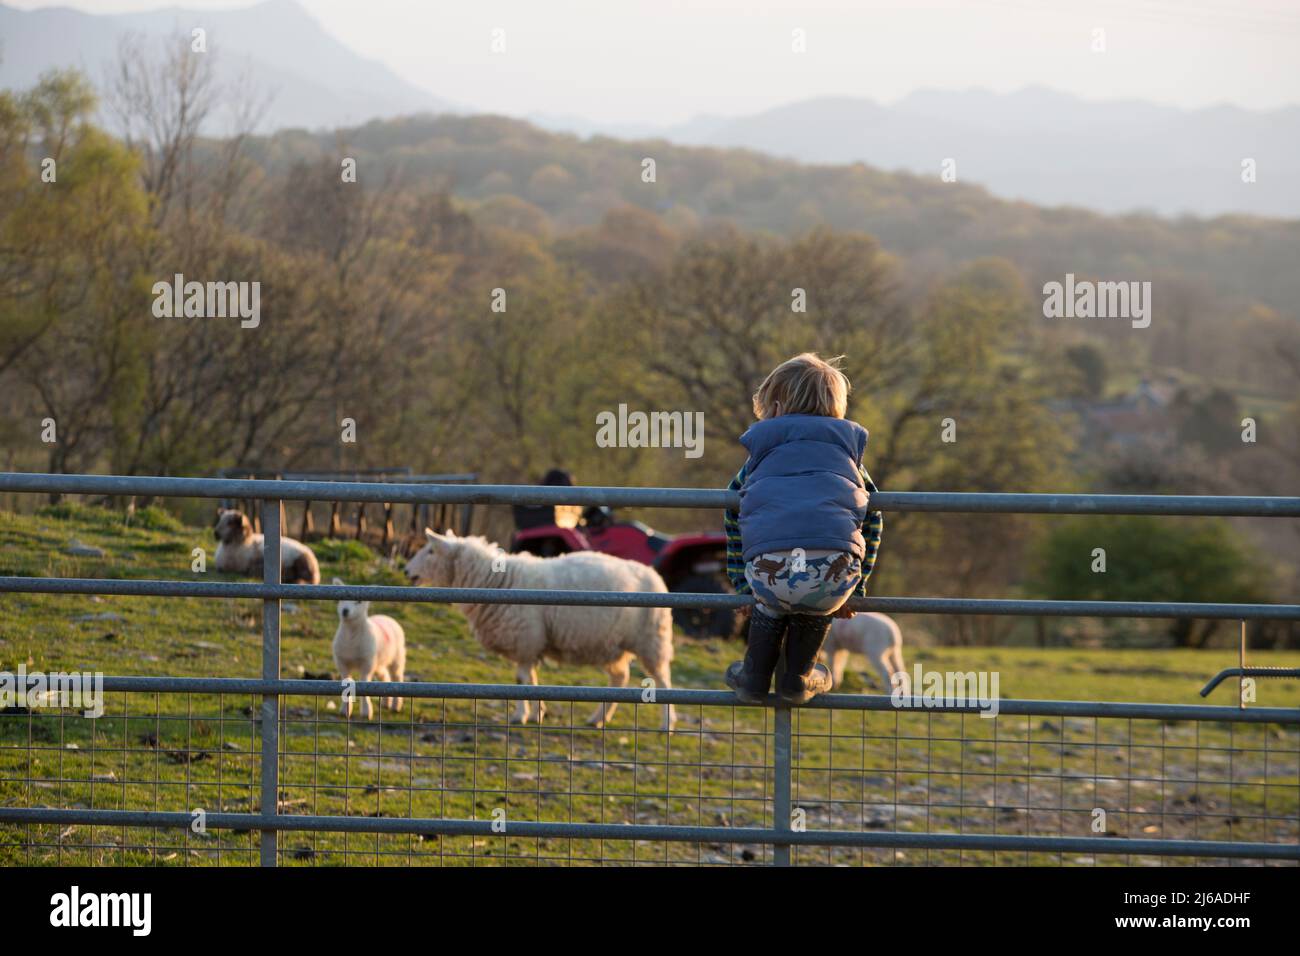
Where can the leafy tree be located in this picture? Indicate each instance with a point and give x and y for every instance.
(704, 333)
(1089, 362)
(972, 417)
(70, 274)
(1209, 418)
(1151, 559)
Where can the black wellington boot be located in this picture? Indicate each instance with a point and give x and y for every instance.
(751, 678)
(804, 678)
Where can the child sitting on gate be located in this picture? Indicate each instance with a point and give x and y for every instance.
(798, 542)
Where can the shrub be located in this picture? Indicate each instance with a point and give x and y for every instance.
(1150, 559)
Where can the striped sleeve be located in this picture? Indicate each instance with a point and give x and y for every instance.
(872, 529)
(735, 551)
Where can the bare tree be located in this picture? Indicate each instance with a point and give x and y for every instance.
(160, 100)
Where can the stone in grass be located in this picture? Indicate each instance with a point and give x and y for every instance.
(82, 550)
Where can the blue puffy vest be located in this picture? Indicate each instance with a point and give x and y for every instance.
(803, 487)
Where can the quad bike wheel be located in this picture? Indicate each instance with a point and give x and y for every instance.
(701, 622)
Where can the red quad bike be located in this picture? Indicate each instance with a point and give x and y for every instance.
(694, 563)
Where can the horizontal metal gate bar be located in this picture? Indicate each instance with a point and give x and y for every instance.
(403, 594)
(934, 501)
(691, 696)
(281, 822)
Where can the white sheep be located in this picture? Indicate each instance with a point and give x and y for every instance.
(876, 637)
(607, 637)
(369, 648)
(240, 551)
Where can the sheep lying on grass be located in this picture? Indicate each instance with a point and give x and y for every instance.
(369, 648)
(607, 637)
(240, 551)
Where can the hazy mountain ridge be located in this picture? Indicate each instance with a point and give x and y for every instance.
(1038, 145)
(313, 81)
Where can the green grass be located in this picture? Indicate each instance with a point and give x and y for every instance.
(462, 759)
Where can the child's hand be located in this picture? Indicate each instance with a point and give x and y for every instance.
(843, 612)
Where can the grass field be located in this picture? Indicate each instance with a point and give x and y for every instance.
(884, 770)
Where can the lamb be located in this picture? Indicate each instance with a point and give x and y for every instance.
(875, 636)
(607, 637)
(240, 551)
(366, 648)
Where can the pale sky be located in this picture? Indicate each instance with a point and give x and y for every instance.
(625, 61)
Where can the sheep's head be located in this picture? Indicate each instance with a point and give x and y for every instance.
(232, 526)
(352, 610)
(432, 564)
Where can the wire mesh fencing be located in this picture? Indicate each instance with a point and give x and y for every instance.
(170, 774)
(1045, 776)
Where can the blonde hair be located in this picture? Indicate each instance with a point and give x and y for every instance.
(804, 385)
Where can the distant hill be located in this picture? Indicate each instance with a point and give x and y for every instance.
(1038, 145)
(317, 82)
(576, 182)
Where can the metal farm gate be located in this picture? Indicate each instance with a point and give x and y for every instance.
(244, 770)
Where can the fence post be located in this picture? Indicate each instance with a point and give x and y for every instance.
(781, 740)
(308, 525)
(270, 671)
